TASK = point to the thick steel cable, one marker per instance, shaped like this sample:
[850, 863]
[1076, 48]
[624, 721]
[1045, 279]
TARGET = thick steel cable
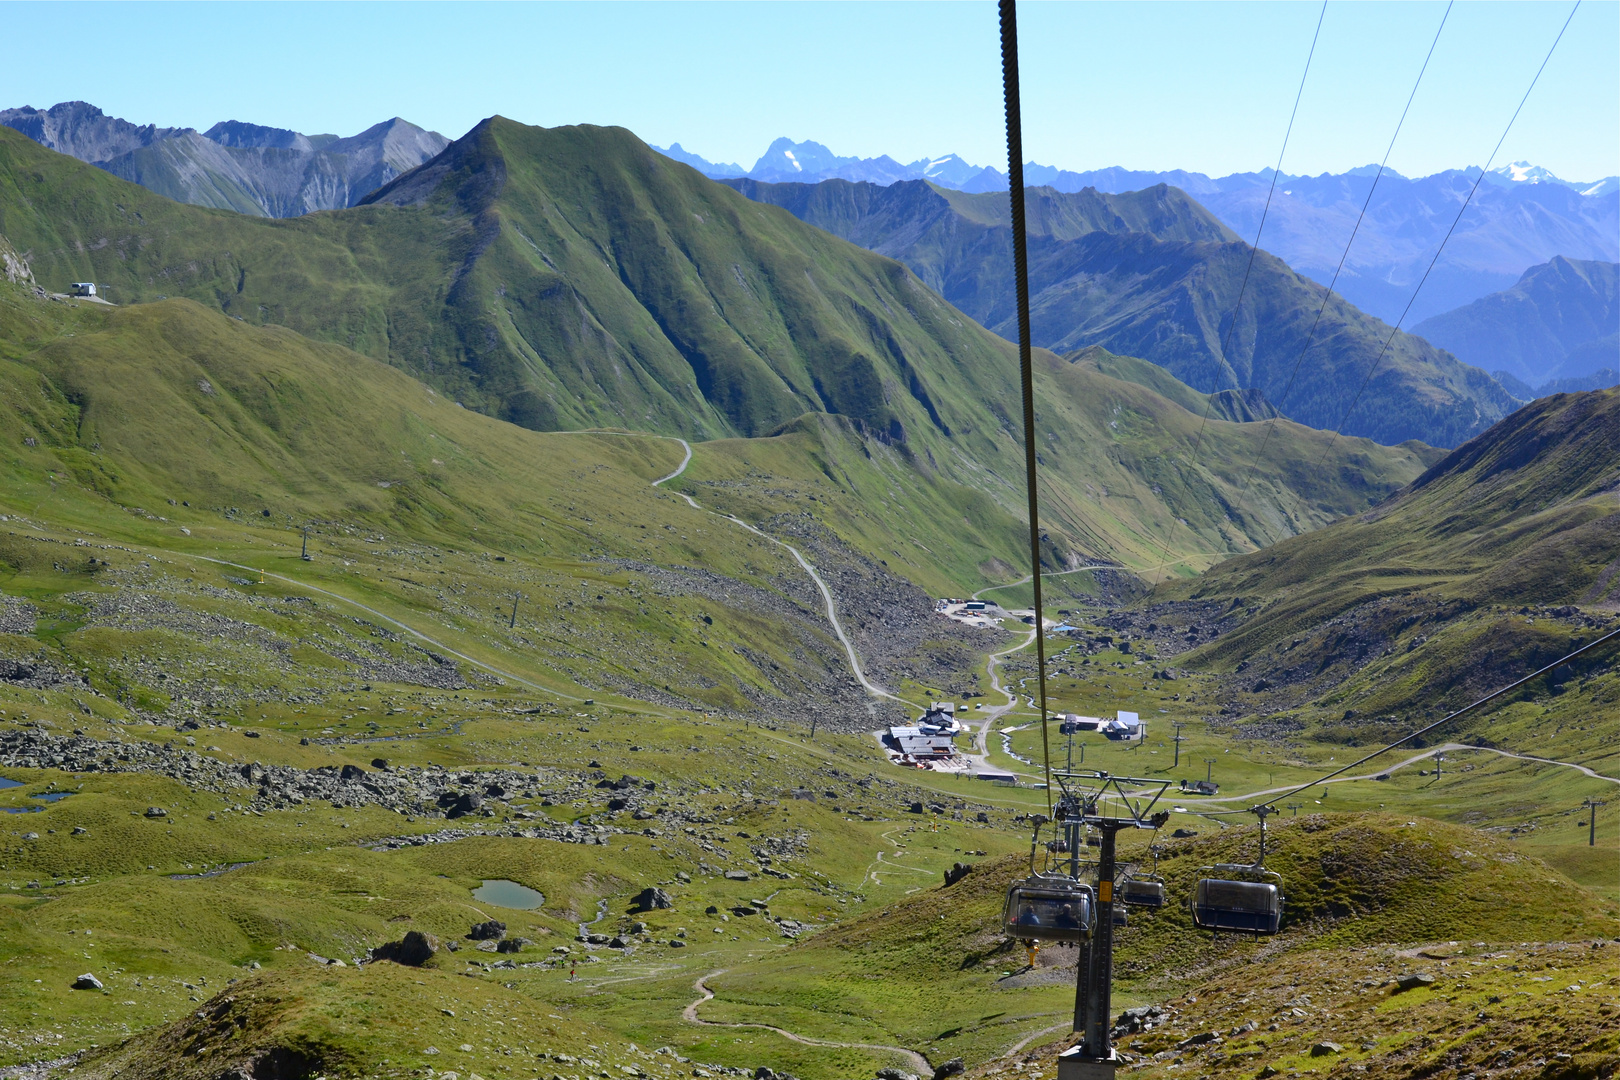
[1446, 239]
[1015, 195]
[1254, 248]
[1470, 707]
[1310, 338]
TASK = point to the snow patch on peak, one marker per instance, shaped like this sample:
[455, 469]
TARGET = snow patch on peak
[1522, 172]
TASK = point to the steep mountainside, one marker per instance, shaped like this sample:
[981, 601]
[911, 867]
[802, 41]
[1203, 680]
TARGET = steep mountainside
[248, 168]
[1153, 274]
[1420, 603]
[571, 278]
[1561, 320]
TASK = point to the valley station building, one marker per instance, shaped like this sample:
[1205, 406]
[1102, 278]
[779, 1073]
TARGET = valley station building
[931, 738]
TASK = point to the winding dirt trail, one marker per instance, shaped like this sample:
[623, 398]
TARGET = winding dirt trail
[853, 657]
[411, 630]
[917, 1062]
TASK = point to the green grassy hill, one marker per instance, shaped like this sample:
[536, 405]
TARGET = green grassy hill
[230, 766]
[935, 971]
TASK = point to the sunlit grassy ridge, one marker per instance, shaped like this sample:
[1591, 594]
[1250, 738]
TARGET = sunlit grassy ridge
[649, 638]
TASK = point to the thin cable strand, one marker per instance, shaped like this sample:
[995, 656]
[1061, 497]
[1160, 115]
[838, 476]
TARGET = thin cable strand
[1310, 338]
[1492, 696]
[1209, 403]
[1477, 181]
[1015, 195]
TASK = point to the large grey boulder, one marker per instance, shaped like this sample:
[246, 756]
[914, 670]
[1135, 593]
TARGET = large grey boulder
[414, 950]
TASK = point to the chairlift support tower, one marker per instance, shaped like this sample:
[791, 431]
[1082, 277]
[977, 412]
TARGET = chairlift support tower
[1591, 822]
[1107, 804]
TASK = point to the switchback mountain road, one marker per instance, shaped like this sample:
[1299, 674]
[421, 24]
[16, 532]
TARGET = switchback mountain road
[980, 755]
[868, 685]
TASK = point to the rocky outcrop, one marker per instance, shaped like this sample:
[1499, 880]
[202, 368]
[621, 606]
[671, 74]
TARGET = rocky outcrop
[413, 950]
[249, 168]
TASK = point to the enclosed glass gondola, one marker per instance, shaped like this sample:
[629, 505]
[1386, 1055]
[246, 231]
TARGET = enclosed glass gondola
[1141, 892]
[1226, 903]
[1049, 909]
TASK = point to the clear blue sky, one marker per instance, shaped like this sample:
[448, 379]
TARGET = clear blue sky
[1200, 86]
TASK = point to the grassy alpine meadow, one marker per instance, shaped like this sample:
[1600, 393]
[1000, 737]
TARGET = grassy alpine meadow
[314, 635]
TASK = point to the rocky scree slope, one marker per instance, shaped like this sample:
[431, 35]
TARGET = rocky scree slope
[248, 168]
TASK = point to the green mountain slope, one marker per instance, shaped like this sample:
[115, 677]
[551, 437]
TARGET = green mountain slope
[571, 277]
[173, 426]
[1153, 274]
[1492, 563]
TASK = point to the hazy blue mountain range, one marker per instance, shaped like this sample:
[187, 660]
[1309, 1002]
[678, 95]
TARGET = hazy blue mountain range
[1523, 215]
[1508, 228]
[1559, 322]
[1601, 379]
[264, 171]
[809, 162]
[1153, 274]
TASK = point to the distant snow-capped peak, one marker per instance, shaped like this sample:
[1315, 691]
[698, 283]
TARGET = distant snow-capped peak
[1522, 172]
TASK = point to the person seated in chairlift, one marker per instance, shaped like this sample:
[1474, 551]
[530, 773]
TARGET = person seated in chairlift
[1067, 918]
[1027, 916]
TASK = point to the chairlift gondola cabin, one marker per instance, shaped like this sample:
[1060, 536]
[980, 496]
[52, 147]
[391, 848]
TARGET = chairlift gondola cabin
[1223, 903]
[1139, 892]
[1049, 909]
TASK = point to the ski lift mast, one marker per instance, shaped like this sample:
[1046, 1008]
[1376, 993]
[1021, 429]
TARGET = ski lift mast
[1107, 804]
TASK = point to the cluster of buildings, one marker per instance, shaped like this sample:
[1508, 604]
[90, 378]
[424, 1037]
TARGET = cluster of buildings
[932, 738]
[1124, 727]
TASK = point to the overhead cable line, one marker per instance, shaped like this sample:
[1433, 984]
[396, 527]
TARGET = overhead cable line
[1209, 403]
[1310, 338]
[1484, 172]
[1492, 696]
[1015, 195]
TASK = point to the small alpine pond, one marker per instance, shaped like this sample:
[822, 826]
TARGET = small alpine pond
[508, 894]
